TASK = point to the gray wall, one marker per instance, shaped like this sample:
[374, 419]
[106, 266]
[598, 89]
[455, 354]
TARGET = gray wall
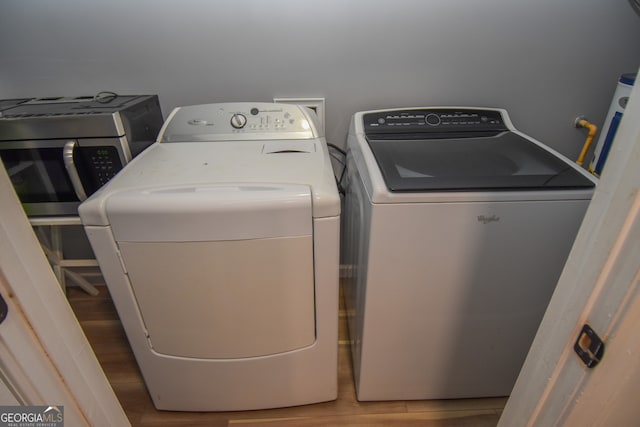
[545, 61]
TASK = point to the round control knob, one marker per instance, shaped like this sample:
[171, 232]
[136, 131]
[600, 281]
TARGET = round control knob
[432, 119]
[238, 121]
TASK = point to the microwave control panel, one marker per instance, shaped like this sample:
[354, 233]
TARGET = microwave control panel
[100, 164]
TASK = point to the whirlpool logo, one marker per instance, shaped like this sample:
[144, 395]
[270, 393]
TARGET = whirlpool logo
[488, 219]
[31, 416]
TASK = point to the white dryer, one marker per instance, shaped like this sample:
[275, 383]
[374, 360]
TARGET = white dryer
[457, 228]
[219, 246]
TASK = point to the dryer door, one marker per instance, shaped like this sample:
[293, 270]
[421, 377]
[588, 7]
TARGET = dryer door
[220, 271]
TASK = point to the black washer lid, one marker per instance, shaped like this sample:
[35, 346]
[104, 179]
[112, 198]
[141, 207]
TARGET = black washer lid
[506, 161]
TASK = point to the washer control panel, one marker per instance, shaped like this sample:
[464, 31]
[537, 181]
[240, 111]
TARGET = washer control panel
[433, 120]
[239, 121]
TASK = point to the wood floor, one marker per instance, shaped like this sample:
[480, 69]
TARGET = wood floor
[102, 327]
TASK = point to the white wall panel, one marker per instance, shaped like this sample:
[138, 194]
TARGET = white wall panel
[545, 61]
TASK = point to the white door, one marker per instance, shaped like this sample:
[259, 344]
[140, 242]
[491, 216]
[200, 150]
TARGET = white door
[600, 286]
[45, 358]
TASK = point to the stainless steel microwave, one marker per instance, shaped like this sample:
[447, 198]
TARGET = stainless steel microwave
[58, 151]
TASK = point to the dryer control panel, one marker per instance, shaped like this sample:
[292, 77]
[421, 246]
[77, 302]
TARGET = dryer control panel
[245, 121]
[426, 121]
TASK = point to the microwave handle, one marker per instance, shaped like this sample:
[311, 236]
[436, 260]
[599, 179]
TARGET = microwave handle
[67, 155]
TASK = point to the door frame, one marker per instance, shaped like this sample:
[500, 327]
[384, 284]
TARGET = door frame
[45, 357]
[600, 286]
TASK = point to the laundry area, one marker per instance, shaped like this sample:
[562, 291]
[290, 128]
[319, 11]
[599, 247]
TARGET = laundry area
[307, 213]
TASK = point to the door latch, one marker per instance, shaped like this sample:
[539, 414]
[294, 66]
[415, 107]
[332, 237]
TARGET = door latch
[589, 346]
[4, 309]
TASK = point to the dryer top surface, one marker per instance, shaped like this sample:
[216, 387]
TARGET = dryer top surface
[241, 163]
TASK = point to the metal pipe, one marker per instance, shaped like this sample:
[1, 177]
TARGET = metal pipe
[593, 130]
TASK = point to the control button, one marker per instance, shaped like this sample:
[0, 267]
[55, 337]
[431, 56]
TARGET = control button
[238, 121]
[381, 121]
[254, 111]
[432, 119]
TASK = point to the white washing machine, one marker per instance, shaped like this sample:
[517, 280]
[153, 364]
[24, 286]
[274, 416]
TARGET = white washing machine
[457, 228]
[219, 245]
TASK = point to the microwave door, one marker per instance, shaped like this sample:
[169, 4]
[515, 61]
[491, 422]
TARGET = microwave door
[40, 166]
[39, 177]
[37, 164]
[72, 170]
